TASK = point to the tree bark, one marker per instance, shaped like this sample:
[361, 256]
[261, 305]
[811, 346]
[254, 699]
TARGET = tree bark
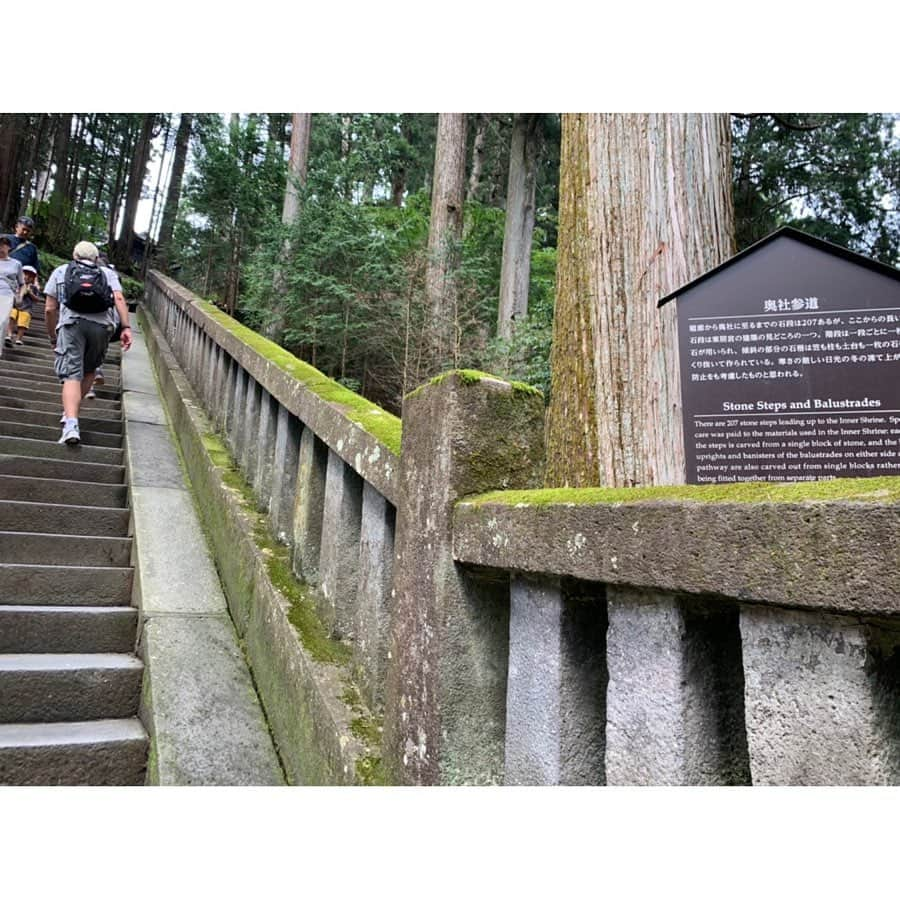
[296, 179]
[11, 131]
[645, 206]
[173, 194]
[445, 230]
[477, 157]
[515, 268]
[136, 177]
[116, 198]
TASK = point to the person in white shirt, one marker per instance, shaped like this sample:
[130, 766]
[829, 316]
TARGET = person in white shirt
[81, 338]
[11, 280]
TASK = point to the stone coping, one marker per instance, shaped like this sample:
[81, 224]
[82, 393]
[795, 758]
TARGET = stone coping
[840, 555]
[366, 437]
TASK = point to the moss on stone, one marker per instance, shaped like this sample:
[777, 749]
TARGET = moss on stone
[381, 424]
[880, 490]
[370, 771]
[473, 376]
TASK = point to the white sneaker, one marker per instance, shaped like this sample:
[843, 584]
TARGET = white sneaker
[98, 376]
[19, 343]
[70, 434]
[90, 395]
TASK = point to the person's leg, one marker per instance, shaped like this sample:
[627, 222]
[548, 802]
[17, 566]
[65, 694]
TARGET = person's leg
[10, 328]
[87, 386]
[71, 398]
[23, 320]
[70, 350]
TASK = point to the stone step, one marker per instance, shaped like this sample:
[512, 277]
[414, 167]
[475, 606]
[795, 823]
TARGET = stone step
[55, 406]
[68, 687]
[52, 432]
[100, 752]
[44, 367]
[85, 453]
[27, 548]
[66, 468]
[51, 419]
[58, 585]
[51, 383]
[53, 394]
[67, 629]
[59, 518]
[73, 493]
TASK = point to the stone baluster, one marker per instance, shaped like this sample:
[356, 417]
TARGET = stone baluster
[822, 697]
[236, 431]
[284, 475]
[339, 555]
[555, 698]
[309, 499]
[249, 448]
[674, 702]
[376, 558]
[265, 442]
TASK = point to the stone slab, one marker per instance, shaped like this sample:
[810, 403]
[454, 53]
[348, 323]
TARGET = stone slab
[200, 708]
[145, 408]
[150, 456]
[177, 573]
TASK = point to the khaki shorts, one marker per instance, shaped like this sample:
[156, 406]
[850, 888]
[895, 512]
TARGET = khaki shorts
[80, 348]
[21, 317]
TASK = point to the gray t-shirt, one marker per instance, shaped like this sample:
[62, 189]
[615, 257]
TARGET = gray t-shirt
[55, 286]
[11, 278]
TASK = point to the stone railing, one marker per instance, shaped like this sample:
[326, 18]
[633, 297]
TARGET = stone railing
[498, 633]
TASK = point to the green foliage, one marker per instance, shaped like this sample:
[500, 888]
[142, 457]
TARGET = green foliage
[834, 176]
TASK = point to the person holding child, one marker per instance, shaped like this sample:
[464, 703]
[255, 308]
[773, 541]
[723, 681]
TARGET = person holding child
[20, 317]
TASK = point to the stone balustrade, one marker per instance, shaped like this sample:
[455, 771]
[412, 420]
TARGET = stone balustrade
[503, 634]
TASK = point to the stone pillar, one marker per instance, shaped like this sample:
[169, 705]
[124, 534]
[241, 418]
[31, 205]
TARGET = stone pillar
[236, 429]
[309, 503]
[249, 447]
[265, 442]
[339, 556]
[376, 557]
[674, 704]
[216, 381]
[284, 475]
[822, 698]
[555, 698]
[445, 703]
[230, 381]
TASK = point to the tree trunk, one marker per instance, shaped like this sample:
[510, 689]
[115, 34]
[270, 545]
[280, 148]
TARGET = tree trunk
[173, 195]
[445, 230]
[515, 268]
[296, 179]
[32, 162]
[477, 157]
[101, 172]
[11, 131]
[116, 198]
[136, 177]
[645, 206]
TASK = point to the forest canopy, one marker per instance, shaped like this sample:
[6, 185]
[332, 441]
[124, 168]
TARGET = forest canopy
[354, 279]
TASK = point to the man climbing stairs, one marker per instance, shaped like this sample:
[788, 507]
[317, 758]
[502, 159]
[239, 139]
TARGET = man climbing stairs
[70, 681]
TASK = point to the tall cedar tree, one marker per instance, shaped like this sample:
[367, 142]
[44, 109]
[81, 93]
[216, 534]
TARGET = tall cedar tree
[645, 206]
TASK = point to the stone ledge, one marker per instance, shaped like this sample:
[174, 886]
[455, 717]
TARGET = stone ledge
[306, 700]
[198, 704]
[369, 456]
[839, 555]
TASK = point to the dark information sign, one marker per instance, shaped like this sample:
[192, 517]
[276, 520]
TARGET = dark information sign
[790, 367]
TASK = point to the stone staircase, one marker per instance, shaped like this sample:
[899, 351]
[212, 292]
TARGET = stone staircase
[70, 681]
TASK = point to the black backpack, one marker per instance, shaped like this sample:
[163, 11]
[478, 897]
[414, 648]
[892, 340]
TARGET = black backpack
[86, 288]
